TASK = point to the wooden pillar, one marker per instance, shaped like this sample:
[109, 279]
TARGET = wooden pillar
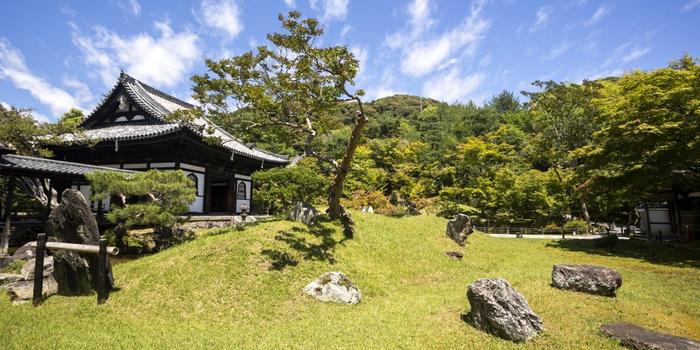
[39, 269]
[102, 270]
[9, 199]
[207, 193]
[49, 197]
[677, 216]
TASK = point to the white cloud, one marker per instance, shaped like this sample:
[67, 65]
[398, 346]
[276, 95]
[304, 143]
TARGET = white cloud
[691, 5]
[597, 16]
[557, 51]
[541, 18]
[423, 57]
[222, 15]
[419, 14]
[345, 31]
[625, 53]
[131, 6]
[14, 68]
[290, 3]
[450, 87]
[635, 53]
[162, 60]
[332, 9]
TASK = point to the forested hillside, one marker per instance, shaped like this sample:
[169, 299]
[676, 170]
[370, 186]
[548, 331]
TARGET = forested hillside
[535, 158]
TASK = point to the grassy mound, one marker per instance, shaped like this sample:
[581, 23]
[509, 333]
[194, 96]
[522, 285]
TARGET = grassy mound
[242, 289]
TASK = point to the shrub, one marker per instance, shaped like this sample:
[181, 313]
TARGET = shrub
[279, 189]
[580, 225]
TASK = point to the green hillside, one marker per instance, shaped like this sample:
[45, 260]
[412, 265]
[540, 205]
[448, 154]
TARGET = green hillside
[242, 289]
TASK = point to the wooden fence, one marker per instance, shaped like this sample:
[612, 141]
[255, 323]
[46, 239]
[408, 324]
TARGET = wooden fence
[102, 250]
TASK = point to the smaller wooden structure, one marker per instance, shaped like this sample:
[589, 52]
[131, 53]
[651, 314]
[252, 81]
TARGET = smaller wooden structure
[102, 250]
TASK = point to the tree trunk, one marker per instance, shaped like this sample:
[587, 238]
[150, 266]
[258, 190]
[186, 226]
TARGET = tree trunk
[584, 214]
[335, 210]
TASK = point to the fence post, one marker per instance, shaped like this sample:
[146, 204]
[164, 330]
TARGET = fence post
[563, 233]
[39, 269]
[102, 266]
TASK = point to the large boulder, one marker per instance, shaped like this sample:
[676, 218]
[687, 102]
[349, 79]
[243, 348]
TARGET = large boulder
[636, 337]
[72, 222]
[22, 291]
[334, 287]
[498, 308]
[586, 278]
[24, 252]
[459, 228]
[304, 212]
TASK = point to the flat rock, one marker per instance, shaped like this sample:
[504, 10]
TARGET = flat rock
[6, 278]
[455, 255]
[22, 291]
[28, 268]
[636, 337]
[334, 287]
[498, 308]
[591, 279]
[24, 252]
[459, 228]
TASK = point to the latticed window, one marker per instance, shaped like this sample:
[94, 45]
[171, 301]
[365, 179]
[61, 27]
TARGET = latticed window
[241, 191]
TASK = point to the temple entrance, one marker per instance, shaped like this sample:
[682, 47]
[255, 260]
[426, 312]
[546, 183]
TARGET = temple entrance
[219, 194]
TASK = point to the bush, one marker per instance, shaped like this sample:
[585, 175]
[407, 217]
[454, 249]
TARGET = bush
[279, 189]
[609, 241]
[580, 225]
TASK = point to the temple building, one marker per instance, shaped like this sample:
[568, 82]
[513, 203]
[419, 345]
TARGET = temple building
[130, 130]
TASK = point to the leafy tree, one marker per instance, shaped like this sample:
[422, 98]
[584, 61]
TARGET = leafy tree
[564, 115]
[152, 198]
[279, 189]
[505, 101]
[295, 85]
[650, 135]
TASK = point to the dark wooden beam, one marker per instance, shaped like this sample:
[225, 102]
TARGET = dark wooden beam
[9, 199]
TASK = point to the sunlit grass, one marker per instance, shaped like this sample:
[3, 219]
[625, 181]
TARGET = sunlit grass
[242, 289]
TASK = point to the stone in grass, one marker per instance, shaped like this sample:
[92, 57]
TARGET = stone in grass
[334, 287]
[636, 337]
[498, 308]
[22, 291]
[6, 278]
[29, 266]
[459, 228]
[586, 278]
[455, 255]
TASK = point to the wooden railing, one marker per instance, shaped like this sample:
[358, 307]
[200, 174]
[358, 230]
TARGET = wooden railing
[102, 251]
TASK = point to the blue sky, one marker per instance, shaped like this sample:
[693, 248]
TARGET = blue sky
[63, 54]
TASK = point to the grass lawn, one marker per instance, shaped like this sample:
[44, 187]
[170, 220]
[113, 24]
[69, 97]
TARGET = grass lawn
[242, 289]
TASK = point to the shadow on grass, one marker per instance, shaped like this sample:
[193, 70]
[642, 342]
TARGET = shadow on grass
[679, 254]
[298, 244]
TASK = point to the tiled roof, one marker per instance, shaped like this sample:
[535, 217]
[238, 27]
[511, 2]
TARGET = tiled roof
[159, 105]
[50, 166]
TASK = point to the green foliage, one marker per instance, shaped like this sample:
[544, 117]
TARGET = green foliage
[580, 225]
[650, 135]
[279, 189]
[19, 130]
[151, 198]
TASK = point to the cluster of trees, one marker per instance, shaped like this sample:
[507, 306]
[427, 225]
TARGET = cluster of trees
[590, 150]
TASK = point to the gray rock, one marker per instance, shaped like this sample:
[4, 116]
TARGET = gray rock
[455, 255]
[29, 266]
[586, 278]
[22, 291]
[636, 337]
[498, 308]
[24, 252]
[72, 222]
[6, 278]
[459, 228]
[304, 212]
[334, 287]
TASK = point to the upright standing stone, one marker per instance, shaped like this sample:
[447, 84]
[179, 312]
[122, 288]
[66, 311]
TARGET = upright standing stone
[459, 228]
[305, 213]
[72, 222]
[498, 308]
